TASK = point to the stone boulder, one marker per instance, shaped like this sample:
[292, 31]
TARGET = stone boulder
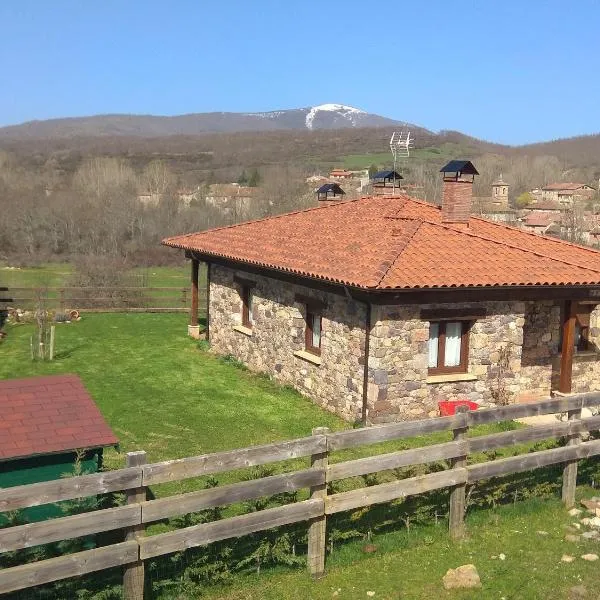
[465, 576]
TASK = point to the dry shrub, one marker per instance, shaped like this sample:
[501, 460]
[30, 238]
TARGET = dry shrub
[103, 283]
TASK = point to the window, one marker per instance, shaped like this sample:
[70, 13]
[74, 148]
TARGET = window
[247, 319]
[448, 346]
[312, 334]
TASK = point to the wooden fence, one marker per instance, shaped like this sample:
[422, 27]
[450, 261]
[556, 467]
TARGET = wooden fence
[105, 299]
[137, 476]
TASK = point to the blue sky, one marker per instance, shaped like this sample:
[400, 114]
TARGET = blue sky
[507, 71]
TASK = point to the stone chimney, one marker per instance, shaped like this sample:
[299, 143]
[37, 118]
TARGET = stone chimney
[457, 192]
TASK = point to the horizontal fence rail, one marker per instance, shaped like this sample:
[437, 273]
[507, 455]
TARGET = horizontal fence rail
[135, 479]
[104, 298]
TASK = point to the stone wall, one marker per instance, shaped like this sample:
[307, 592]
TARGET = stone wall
[399, 385]
[277, 337]
[540, 372]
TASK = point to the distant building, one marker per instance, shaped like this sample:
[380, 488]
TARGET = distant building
[495, 207]
[230, 197]
[341, 174]
[567, 192]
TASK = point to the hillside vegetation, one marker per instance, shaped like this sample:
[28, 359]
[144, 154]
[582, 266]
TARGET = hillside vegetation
[64, 198]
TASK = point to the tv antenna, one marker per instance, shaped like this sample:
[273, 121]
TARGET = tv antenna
[400, 145]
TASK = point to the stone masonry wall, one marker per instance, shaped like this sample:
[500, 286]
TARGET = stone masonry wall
[278, 332]
[540, 372]
[399, 386]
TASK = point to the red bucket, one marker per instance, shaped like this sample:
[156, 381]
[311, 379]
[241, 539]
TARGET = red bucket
[448, 407]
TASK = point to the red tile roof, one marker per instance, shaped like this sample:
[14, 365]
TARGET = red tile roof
[45, 415]
[384, 243]
[540, 219]
[564, 186]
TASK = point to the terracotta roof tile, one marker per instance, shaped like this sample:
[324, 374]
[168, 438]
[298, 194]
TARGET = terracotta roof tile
[397, 243]
[45, 415]
[565, 185]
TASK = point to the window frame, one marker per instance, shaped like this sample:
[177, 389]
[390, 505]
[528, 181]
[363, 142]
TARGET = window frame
[463, 366]
[246, 294]
[309, 346]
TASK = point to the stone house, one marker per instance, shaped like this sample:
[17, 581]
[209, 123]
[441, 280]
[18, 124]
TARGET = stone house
[566, 192]
[378, 308]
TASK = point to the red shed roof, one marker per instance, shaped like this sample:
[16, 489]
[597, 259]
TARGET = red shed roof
[45, 415]
[397, 242]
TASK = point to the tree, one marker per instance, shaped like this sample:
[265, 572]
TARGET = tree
[372, 170]
[243, 178]
[523, 200]
[254, 179]
[157, 179]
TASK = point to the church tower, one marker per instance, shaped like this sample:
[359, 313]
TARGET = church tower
[500, 193]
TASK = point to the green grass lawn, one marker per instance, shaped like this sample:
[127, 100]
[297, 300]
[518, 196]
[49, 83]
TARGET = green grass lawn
[163, 393]
[58, 274]
[410, 566]
[160, 393]
[442, 153]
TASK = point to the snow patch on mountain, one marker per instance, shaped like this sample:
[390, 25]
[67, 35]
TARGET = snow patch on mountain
[346, 112]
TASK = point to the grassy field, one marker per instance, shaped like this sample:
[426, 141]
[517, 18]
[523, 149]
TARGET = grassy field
[160, 393]
[58, 274]
[410, 565]
[164, 393]
[440, 154]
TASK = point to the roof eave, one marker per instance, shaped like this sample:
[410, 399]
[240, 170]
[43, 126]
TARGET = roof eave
[62, 451]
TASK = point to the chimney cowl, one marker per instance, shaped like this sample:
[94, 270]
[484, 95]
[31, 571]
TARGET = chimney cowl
[457, 193]
[330, 192]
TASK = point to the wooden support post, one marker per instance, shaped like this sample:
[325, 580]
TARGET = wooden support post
[194, 307]
[61, 299]
[317, 527]
[570, 471]
[133, 575]
[458, 493]
[568, 347]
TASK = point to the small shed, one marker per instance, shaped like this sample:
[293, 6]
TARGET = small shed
[45, 422]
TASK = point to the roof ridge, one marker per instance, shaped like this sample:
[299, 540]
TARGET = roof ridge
[508, 245]
[269, 218]
[398, 249]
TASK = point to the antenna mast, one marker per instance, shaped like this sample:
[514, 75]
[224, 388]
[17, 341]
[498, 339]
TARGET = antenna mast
[400, 144]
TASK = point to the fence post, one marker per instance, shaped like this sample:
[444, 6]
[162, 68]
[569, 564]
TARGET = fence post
[317, 527]
[458, 492]
[133, 575]
[570, 470]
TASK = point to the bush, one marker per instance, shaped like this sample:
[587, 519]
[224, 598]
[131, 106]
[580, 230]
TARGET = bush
[106, 277]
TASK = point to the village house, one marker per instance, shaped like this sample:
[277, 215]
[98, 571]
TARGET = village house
[341, 174]
[231, 197]
[378, 308]
[566, 192]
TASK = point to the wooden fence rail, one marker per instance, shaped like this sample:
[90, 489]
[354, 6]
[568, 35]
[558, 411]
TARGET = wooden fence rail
[320, 447]
[105, 298]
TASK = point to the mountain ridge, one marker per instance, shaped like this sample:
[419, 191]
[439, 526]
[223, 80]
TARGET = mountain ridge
[323, 116]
